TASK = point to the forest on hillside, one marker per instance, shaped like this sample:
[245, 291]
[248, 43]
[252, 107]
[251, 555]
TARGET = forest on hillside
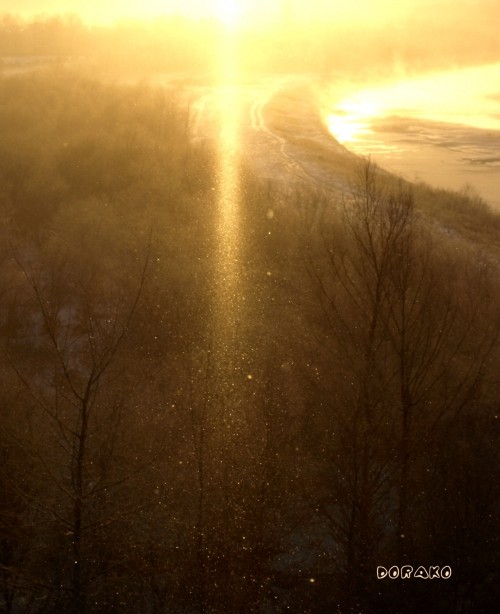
[179, 44]
[363, 377]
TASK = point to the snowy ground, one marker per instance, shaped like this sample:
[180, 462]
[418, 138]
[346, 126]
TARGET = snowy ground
[284, 139]
[280, 134]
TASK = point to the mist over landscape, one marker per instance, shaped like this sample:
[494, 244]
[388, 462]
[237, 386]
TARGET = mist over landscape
[249, 306]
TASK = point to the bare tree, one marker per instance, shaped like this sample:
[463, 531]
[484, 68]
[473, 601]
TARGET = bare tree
[407, 349]
[75, 383]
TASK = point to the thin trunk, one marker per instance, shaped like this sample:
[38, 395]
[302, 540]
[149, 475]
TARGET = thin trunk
[79, 606]
[200, 537]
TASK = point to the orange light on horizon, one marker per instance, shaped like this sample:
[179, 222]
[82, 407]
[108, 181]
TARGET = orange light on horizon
[440, 97]
[352, 118]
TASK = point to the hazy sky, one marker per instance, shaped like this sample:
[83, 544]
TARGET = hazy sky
[254, 10]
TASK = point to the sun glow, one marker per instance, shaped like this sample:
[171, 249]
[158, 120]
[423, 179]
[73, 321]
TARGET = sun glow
[345, 129]
[229, 12]
[351, 118]
[440, 97]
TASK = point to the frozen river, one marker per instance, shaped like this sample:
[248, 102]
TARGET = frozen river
[442, 128]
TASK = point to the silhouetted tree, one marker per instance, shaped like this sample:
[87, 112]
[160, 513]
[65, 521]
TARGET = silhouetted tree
[407, 350]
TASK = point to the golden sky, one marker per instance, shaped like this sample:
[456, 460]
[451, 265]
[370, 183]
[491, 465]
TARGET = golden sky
[243, 11]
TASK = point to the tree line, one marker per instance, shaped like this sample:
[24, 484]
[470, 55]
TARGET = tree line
[179, 44]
